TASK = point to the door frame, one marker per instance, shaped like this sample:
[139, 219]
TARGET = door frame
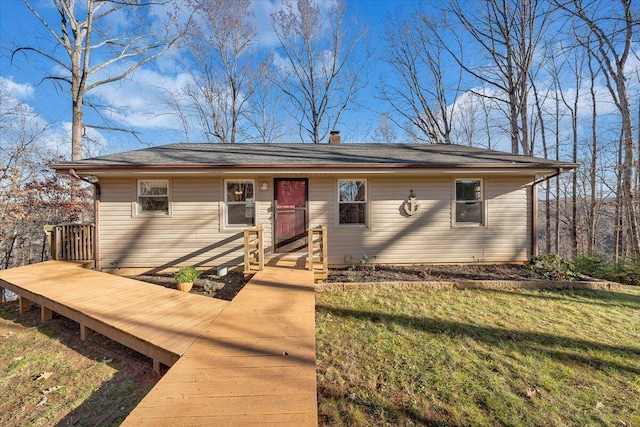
[276, 248]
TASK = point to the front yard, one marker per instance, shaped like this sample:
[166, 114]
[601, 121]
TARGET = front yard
[390, 357]
[384, 357]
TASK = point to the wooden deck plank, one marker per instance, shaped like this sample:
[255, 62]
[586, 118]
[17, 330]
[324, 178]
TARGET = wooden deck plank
[227, 406]
[255, 364]
[240, 420]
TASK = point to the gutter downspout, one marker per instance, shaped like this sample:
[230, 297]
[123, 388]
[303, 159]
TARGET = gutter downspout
[96, 213]
[534, 209]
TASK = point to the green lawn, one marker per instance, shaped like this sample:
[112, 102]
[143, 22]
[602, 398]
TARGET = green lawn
[391, 357]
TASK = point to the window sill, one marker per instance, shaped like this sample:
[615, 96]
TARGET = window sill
[158, 214]
[467, 225]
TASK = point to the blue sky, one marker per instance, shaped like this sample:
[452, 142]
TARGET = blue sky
[142, 107]
[23, 77]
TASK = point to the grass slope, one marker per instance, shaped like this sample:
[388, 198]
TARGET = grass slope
[49, 377]
[455, 358]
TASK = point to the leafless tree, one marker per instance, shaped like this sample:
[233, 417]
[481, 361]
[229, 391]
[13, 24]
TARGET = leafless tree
[385, 132]
[423, 85]
[30, 194]
[264, 113]
[102, 41]
[320, 73]
[224, 67]
[577, 66]
[508, 32]
[609, 31]
[594, 199]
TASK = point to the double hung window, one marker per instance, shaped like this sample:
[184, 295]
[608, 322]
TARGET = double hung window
[240, 201]
[469, 205]
[352, 195]
[153, 196]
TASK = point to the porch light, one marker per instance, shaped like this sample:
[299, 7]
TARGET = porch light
[264, 186]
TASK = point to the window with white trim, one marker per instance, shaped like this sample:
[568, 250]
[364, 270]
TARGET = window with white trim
[469, 205]
[240, 202]
[153, 196]
[352, 202]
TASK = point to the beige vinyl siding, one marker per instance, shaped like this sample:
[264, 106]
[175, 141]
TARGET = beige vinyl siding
[193, 233]
[429, 236]
[322, 202]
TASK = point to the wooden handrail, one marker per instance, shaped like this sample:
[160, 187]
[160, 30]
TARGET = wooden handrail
[71, 242]
[253, 250]
[317, 245]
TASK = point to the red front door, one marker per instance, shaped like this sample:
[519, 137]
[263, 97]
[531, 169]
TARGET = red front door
[291, 214]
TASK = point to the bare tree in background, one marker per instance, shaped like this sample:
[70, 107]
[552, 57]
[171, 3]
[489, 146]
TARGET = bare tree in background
[225, 76]
[320, 74]
[266, 106]
[508, 32]
[609, 31]
[575, 62]
[98, 37]
[31, 195]
[385, 132]
[422, 88]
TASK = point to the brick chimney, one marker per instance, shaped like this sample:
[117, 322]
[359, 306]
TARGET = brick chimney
[334, 137]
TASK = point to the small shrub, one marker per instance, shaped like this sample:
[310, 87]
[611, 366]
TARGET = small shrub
[211, 286]
[186, 274]
[351, 273]
[554, 267]
[367, 265]
[624, 271]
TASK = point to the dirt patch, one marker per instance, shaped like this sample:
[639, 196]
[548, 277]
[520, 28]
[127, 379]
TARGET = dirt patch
[423, 272]
[57, 379]
[221, 287]
[227, 287]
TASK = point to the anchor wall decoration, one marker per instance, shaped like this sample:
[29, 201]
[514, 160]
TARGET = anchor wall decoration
[411, 205]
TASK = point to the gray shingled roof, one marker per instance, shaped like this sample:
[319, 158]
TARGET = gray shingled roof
[186, 155]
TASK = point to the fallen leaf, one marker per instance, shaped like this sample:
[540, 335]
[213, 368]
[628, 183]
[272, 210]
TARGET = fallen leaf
[43, 376]
[599, 405]
[51, 389]
[533, 393]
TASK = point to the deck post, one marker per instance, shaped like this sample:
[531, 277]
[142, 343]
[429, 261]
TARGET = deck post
[45, 314]
[25, 304]
[253, 250]
[318, 249]
[85, 332]
[156, 366]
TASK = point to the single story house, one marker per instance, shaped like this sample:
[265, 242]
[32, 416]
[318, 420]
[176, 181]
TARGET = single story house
[188, 204]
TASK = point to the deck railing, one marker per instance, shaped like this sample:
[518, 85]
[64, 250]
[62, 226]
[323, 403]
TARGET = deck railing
[253, 250]
[71, 242]
[317, 244]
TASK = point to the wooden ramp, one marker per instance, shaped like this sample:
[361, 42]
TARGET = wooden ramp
[254, 365]
[158, 322]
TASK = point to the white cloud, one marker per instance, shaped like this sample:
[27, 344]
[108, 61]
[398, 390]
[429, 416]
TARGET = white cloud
[141, 100]
[262, 11]
[17, 90]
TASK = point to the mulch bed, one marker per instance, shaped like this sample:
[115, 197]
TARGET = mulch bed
[226, 287]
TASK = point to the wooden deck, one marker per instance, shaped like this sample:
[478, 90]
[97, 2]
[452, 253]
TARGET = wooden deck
[158, 322]
[247, 362]
[254, 365]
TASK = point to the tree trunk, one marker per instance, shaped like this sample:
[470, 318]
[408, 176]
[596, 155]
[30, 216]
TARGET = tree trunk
[593, 200]
[77, 130]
